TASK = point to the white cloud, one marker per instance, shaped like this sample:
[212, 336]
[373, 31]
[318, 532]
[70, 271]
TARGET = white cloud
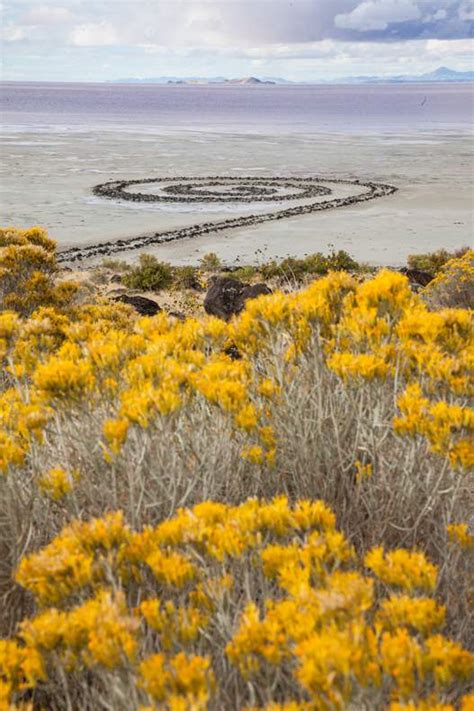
[13, 33]
[332, 57]
[294, 38]
[377, 15]
[449, 50]
[94, 35]
[47, 15]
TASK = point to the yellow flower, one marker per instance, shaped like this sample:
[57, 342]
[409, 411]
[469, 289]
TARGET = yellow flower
[467, 703]
[363, 471]
[56, 483]
[115, 432]
[254, 454]
[421, 614]
[430, 704]
[402, 568]
[447, 660]
[172, 568]
[268, 388]
[459, 533]
[186, 677]
[365, 365]
[11, 454]
[246, 418]
[64, 379]
[401, 659]
[154, 677]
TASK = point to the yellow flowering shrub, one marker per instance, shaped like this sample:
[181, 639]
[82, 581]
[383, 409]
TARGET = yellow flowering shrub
[454, 283]
[144, 369]
[269, 590]
[27, 269]
[173, 571]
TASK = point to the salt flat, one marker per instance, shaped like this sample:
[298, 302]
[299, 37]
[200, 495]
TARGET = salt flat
[47, 178]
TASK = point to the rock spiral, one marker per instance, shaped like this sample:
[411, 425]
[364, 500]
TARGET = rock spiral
[222, 189]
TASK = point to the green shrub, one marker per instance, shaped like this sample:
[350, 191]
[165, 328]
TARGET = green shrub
[210, 262]
[116, 265]
[432, 262]
[186, 278]
[149, 275]
[245, 273]
[341, 261]
[270, 270]
[317, 263]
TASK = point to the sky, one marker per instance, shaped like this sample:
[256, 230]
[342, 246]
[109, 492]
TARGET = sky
[300, 40]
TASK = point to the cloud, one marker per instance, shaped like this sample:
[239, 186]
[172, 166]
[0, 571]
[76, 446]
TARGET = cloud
[217, 23]
[466, 11]
[47, 15]
[377, 15]
[13, 33]
[94, 35]
[294, 38]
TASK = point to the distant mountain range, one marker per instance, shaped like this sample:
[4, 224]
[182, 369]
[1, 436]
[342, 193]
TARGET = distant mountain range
[442, 74]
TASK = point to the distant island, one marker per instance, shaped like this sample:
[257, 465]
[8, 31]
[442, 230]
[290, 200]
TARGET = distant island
[442, 74]
[201, 80]
[246, 80]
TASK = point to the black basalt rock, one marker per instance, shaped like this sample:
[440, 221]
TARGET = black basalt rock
[144, 306]
[417, 276]
[226, 297]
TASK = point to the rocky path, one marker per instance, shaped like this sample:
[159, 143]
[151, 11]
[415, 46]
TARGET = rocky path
[223, 189]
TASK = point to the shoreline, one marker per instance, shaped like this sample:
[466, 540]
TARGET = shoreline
[312, 187]
[432, 208]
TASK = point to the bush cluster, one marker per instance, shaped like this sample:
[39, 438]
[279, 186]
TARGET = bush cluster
[432, 262]
[288, 530]
[296, 270]
[28, 268]
[150, 274]
[454, 284]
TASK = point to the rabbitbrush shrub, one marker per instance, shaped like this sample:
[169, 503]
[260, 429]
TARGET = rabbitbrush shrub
[287, 530]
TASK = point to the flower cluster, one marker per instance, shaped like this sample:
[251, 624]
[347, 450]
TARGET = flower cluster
[27, 267]
[142, 370]
[111, 423]
[283, 593]
[454, 283]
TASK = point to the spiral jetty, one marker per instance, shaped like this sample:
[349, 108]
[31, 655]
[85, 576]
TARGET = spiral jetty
[212, 189]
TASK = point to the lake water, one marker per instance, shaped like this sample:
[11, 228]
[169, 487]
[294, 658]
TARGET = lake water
[59, 140]
[250, 108]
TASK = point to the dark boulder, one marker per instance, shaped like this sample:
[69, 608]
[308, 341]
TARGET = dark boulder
[252, 291]
[416, 276]
[226, 297]
[144, 306]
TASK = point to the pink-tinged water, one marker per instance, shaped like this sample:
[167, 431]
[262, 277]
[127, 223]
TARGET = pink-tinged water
[377, 108]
